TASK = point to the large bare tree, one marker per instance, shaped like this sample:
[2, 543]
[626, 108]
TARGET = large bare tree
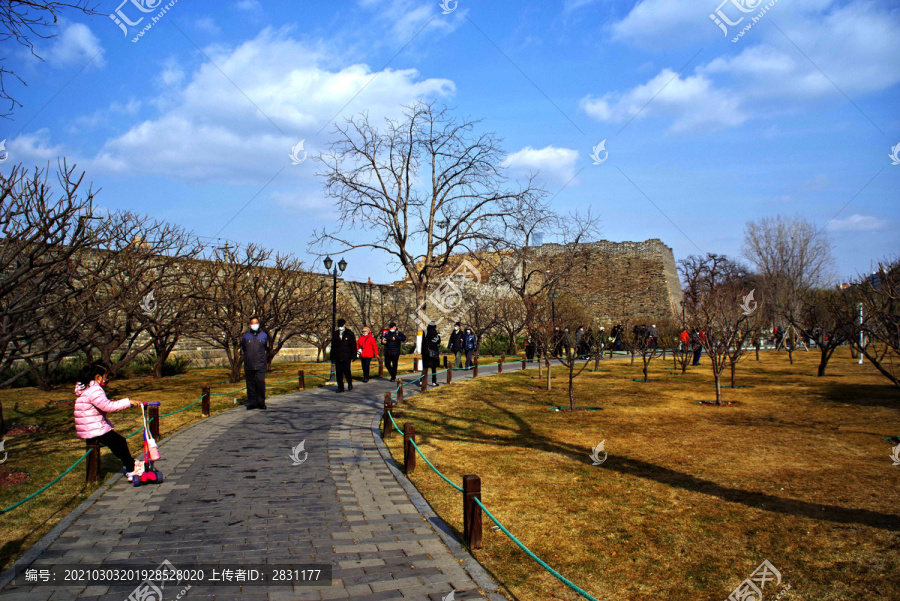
[421, 188]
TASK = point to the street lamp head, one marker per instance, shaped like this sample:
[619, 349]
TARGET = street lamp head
[342, 265]
[328, 263]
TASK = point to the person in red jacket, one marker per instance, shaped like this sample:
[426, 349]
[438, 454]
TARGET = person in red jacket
[366, 349]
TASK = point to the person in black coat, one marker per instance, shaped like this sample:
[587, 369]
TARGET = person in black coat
[392, 341]
[456, 345]
[254, 345]
[343, 352]
[431, 355]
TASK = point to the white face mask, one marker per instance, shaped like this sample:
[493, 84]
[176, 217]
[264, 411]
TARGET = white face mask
[341, 328]
[254, 326]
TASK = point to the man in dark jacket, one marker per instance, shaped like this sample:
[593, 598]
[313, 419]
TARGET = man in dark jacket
[456, 345]
[392, 340]
[343, 352]
[254, 345]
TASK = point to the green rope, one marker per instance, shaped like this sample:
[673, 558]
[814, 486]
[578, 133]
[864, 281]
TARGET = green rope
[285, 382]
[422, 455]
[57, 479]
[182, 409]
[227, 393]
[533, 556]
[396, 427]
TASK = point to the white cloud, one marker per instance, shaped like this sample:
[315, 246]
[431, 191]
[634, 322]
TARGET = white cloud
[74, 46]
[207, 25]
[248, 5]
[693, 101]
[555, 163]
[406, 19]
[857, 223]
[208, 130]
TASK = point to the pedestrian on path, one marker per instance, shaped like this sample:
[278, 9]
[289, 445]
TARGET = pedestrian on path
[457, 345]
[91, 423]
[471, 345]
[529, 347]
[343, 352]
[392, 342]
[431, 357]
[254, 345]
[367, 349]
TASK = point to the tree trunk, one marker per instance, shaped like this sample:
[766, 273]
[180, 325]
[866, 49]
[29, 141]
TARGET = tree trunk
[718, 387]
[733, 365]
[548, 374]
[757, 349]
[2, 422]
[823, 361]
[646, 365]
[571, 383]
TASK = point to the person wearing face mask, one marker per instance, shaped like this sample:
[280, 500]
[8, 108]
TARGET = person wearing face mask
[254, 345]
[471, 346]
[367, 349]
[456, 345]
[431, 357]
[392, 342]
[343, 352]
[91, 407]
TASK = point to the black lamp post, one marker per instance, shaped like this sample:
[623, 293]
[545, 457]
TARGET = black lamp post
[342, 266]
[553, 294]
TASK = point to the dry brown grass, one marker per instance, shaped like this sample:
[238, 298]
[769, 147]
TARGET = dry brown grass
[48, 453]
[692, 498]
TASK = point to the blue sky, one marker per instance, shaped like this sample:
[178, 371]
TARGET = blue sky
[192, 122]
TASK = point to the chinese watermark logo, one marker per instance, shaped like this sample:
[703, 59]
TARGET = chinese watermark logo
[748, 304]
[295, 453]
[4, 154]
[745, 6]
[448, 7]
[752, 588]
[152, 588]
[295, 153]
[142, 6]
[895, 150]
[447, 298]
[601, 147]
[595, 454]
[3, 442]
[148, 304]
[895, 456]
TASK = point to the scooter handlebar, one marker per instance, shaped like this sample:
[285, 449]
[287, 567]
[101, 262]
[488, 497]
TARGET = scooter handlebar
[156, 404]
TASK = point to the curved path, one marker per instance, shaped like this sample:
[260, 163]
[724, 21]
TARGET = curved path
[233, 496]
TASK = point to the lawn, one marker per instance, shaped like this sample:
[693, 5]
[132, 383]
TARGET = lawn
[692, 498]
[47, 453]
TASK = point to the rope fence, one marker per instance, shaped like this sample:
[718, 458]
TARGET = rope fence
[471, 490]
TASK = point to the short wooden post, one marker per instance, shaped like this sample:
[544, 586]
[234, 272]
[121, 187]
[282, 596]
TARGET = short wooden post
[204, 404]
[471, 511]
[449, 376]
[301, 380]
[446, 364]
[380, 367]
[415, 364]
[424, 381]
[409, 452]
[524, 363]
[387, 428]
[93, 461]
[153, 416]
[399, 391]
[475, 367]
[500, 364]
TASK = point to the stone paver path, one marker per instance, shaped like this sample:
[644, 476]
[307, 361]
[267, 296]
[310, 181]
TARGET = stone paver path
[233, 496]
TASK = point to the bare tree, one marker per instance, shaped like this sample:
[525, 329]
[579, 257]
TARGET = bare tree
[397, 184]
[714, 288]
[870, 319]
[24, 22]
[819, 318]
[791, 256]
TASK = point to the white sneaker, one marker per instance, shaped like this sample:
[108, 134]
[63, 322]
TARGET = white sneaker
[138, 470]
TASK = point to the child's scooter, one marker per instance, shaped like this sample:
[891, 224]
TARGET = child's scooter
[151, 454]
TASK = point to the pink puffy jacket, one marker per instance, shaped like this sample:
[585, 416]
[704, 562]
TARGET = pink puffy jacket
[91, 407]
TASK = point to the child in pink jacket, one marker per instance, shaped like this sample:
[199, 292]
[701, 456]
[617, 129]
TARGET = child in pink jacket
[91, 407]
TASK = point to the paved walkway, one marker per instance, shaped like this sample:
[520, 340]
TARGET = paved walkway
[232, 496]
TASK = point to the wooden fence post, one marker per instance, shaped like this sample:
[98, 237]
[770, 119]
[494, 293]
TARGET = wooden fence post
[388, 427]
[399, 391]
[471, 511]
[415, 364]
[445, 362]
[153, 416]
[475, 367]
[301, 380]
[424, 381]
[204, 404]
[380, 367]
[449, 376]
[93, 461]
[500, 364]
[409, 452]
[524, 363]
